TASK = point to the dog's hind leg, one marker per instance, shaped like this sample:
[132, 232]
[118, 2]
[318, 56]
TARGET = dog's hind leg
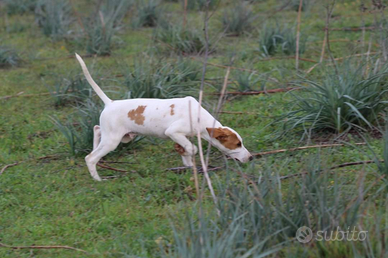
[96, 136]
[106, 145]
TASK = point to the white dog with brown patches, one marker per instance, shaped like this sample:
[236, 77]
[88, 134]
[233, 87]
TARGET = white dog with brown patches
[164, 118]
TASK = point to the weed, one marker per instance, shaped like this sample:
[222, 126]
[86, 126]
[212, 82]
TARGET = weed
[200, 4]
[101, 26]
[149, 14]
[182, 41]
[248, 81]
[238, 19]
[350, 98]
[8, 57]
[273, 39]
[160, 79]
[19, 6]
[71, 90]
[54, 18]
[270, 38]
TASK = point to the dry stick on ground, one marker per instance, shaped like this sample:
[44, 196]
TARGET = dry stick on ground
[8, 166]
[348, 164]
[298, 36]
[260, 92]
[303, 148]
[43, 247]
[114, 169]
[352, 29]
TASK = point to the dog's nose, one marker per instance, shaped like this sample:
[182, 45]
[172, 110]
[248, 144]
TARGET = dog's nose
[250, 158]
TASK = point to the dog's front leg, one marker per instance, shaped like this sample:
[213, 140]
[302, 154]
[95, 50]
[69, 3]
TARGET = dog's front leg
[183, 146]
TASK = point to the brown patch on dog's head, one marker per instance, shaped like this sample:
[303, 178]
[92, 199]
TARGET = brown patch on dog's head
[172, 109]
[179, 149]
[226, 137]
[137, 115]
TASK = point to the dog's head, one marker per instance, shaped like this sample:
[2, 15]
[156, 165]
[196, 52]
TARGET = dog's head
[229, 142]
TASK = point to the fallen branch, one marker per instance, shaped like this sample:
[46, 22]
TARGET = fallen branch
[303, 148]
[44, 247]
[8, 166]
[259, 92]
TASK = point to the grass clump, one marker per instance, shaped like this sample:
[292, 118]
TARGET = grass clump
[161, 79]
[149, 14]
[351, 97]
[274, 39]
[19, 6]
[102, 26]
[175, 38]
[200, 5]
[71, 90]
[238, 19]
[260, 216]
[249, 81]
[8, 57]
[54, 18]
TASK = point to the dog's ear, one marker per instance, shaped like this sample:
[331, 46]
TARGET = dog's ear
[217, 133]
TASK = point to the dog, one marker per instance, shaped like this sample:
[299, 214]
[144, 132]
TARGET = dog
[177, 119]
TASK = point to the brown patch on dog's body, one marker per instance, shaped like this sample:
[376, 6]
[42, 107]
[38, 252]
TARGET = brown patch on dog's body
[226, 137]
[172, 109]
[179, 149]
[137, 115]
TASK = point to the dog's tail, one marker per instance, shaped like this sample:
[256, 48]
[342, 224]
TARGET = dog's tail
[92, 83]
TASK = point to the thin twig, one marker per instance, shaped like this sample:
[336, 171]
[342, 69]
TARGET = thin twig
[114, 169]
[303, 148]
[298, 35]
[44, 247]
[206, 20]
[8, 166]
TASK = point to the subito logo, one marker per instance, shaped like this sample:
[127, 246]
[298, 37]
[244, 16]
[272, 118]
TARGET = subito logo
[304, 234]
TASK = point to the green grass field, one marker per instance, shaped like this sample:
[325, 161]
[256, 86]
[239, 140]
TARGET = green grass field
[48, 197]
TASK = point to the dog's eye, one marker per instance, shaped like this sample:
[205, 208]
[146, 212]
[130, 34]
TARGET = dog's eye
[239, 144]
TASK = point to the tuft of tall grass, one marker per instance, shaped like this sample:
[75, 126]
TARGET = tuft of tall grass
[8, 57]
[260, 216]
[149, 14]
[175, 38]
[270, 39]
[200, 5]
[101, 27]
[250, 81]
[274, 39]
[19, 6]
[54, 17]
[150, 79]
[238, 19]
[70, 90]
[348, 97]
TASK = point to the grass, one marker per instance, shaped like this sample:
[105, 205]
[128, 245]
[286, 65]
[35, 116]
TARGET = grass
[9, 57]
[351, 97]
[49, 198]
[238, 19]
[54, 18]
